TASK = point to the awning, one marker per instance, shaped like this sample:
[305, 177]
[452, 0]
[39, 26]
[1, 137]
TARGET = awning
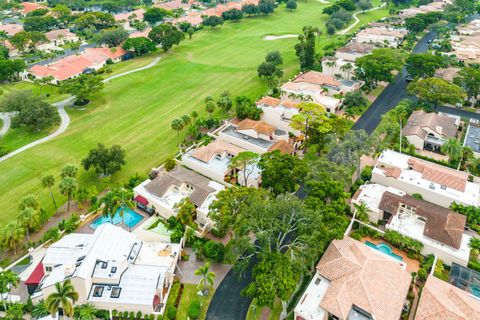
[141, 200]
[36, 276]
[156, 300]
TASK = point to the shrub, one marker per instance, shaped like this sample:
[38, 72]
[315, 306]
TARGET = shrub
[219, 233]
[213, 250]
[366, 173]
[417, 196]
[139, 315]
[51, 234]
[114, 312]
[170, 164]
[151, 317]
[422, 274]
[125, 314]
[194, 309]
[171, 312]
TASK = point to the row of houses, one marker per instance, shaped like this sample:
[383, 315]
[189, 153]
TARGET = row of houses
[412, 197]
[466, 43]
[72, 66]
[354, 281]
[435, 6]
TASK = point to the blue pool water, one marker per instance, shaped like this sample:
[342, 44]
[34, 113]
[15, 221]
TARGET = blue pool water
[130, 218]
[385, 248]
[475, 290]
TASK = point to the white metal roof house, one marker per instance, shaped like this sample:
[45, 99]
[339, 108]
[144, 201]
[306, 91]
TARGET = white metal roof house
[111, 269]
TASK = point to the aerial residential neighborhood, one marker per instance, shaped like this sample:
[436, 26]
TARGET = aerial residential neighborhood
[240, 159]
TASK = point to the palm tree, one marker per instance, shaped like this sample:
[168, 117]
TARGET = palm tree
[348, 114]
[40, 310]
[67, 186]
[8, 279]
[122, 202]
[177, 125]
[347, 68]
[186, 119]
[28, 219]
[64, 298]
[207, 278]
[361, 211]
[108, 205]
[194, 116]
[210, 107]
[13, 233]
[14, 312]
[453, 148]
[48, 181]
[474, 244]
[86, 312]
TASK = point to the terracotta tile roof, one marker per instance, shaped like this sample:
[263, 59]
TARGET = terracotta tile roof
[441, 224]
[317, 78]
[170, 5]
[444, 176]
[362, 277]
[383, 31]
[357, 47]
[112, 53]
[289, 104]
[393, 172]
[178, 176]
[62, 69]
[30, 6]
[59, 33]
[282, 146]
[258, 125]
[443, 125]
[269, 101]
[138, 34]
[11, 29]
[124, 16]
[442, 301]
[194, 18]
[73, 65]
[206, 153]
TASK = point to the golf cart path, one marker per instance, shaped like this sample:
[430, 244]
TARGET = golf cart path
[358, 20]
[6, 123]
[65, 119]
[285, 36]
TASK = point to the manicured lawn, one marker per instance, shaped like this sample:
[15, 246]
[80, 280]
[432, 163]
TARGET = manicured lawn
[255, 313]
[136, 111]
[189, 294]
[15, 138]
[49, 91]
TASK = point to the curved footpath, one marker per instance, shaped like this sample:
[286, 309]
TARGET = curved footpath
[65, 119]
[6, 123]
[358, 20]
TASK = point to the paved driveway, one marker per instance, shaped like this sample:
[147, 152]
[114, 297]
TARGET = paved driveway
[392, 95]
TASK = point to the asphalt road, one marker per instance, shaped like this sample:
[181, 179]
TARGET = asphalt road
[227, 301]
[392, 95]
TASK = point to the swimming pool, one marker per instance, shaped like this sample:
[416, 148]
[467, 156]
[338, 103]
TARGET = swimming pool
[130, 218]
[384, 248]
[475, 290]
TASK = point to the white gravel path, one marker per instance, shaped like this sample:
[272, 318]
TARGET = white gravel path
[65, 119]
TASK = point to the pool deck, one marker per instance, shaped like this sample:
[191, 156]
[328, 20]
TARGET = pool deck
[412, 264]
[85, 228]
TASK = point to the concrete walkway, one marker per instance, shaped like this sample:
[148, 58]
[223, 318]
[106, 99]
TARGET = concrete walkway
[65, 119]
[187, 269]
[358, 20]
[6, 123]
